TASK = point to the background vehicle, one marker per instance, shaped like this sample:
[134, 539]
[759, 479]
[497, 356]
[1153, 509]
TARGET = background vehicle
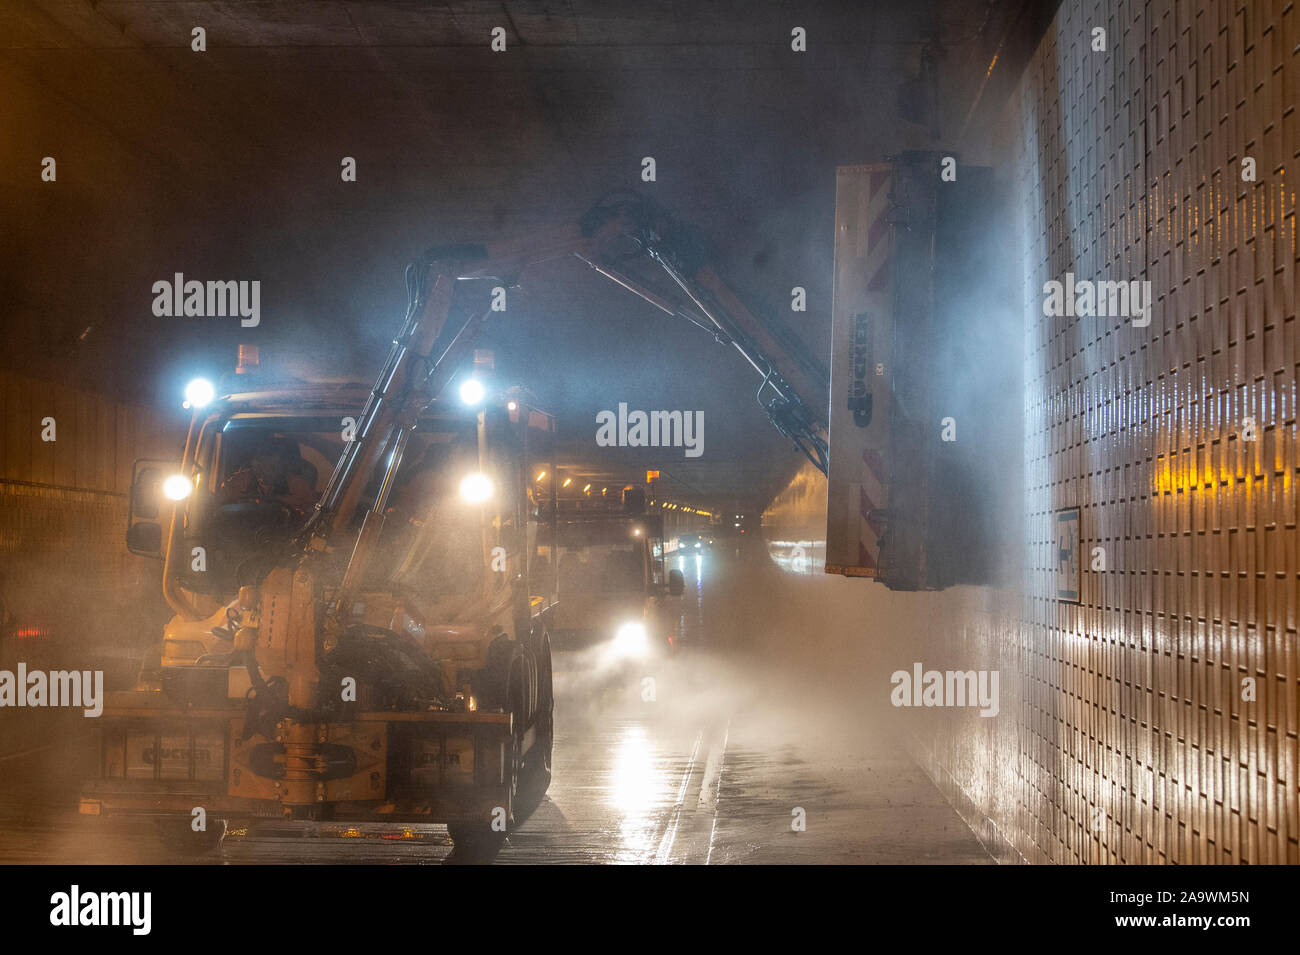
[612, 585]
[692, 544]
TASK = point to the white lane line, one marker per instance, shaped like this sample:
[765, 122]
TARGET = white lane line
[711, 788]
[670, 832]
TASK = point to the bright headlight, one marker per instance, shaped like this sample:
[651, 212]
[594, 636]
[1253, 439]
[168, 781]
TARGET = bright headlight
[476, 488]
[177, 487]
[199, 392]
[630, 640]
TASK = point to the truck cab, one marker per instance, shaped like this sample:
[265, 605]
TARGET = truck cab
[434, 701]
[613, 587]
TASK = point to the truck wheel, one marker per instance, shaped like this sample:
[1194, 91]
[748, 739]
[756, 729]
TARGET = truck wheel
[177, 836]
[474, 842]
[478, 842]
[517, 695]
[538, 763]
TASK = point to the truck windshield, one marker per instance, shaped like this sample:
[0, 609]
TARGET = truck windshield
[261, 478]
[265, 474]
[602, 569]
[432, 540]
[262, 459]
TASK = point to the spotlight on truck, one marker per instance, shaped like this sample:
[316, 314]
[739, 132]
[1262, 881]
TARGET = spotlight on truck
[177, 487]
[472, 391]
[476, 488]
[199, 392]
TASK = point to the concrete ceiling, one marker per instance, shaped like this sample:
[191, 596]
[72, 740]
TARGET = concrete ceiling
[225, 164]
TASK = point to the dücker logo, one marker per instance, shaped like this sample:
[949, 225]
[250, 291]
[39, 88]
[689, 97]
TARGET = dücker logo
[859, 397]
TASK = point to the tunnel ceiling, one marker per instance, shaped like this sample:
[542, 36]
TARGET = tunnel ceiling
[225, 164]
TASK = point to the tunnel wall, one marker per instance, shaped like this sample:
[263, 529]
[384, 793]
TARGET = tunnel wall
[1124, 735]
[64, 568]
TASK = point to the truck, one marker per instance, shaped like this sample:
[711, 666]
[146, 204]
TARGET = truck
[613, 588]
[362, 612]
[371, 640]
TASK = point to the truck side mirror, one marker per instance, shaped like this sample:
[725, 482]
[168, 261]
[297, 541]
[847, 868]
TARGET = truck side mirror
[146, 492]
[143, 532]
[676, 583]
[144, 538]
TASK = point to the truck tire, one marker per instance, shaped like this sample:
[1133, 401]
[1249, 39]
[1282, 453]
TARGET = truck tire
[537, 764]
[478, 842]
[177, 836]
[517, 694]
[474, 842]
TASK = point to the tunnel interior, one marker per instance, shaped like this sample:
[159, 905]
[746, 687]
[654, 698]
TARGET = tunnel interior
[1091, 402]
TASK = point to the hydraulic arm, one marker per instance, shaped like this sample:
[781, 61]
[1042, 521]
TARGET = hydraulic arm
[626, 230]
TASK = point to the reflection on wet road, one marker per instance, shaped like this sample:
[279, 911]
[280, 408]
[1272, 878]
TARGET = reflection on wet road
[705, 757]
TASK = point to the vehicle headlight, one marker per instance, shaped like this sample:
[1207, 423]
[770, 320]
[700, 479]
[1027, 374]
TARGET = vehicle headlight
[472, 391]
[630, 640]
[177, 487]
[476, 488]
[199, 392]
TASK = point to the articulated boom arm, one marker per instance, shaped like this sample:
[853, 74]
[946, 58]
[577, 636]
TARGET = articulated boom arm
[425, 355]
[626, 227]
[438, 333]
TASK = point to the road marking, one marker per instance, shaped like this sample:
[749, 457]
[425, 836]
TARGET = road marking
[670, 832]
[711, 788]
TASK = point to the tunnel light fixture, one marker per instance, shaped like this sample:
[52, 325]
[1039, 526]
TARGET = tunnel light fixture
[177, 487]
[587, 489]
[199, 392]
[476, 488]
[472, 391]
[540, 475]
[567, 482]
[512, 405]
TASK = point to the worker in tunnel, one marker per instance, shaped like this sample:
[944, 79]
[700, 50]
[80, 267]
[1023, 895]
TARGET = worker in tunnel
[272, 469]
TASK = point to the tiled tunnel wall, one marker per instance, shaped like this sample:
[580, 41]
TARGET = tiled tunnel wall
[66, 579]
[1127, 733]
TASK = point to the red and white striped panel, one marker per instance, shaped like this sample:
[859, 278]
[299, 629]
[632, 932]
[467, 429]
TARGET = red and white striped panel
[861, 338]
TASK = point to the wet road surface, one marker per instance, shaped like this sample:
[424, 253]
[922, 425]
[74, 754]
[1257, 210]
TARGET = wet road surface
[714, 756]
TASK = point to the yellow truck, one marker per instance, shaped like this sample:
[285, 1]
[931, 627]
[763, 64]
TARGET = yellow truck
[364, 580]
[362, 605]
